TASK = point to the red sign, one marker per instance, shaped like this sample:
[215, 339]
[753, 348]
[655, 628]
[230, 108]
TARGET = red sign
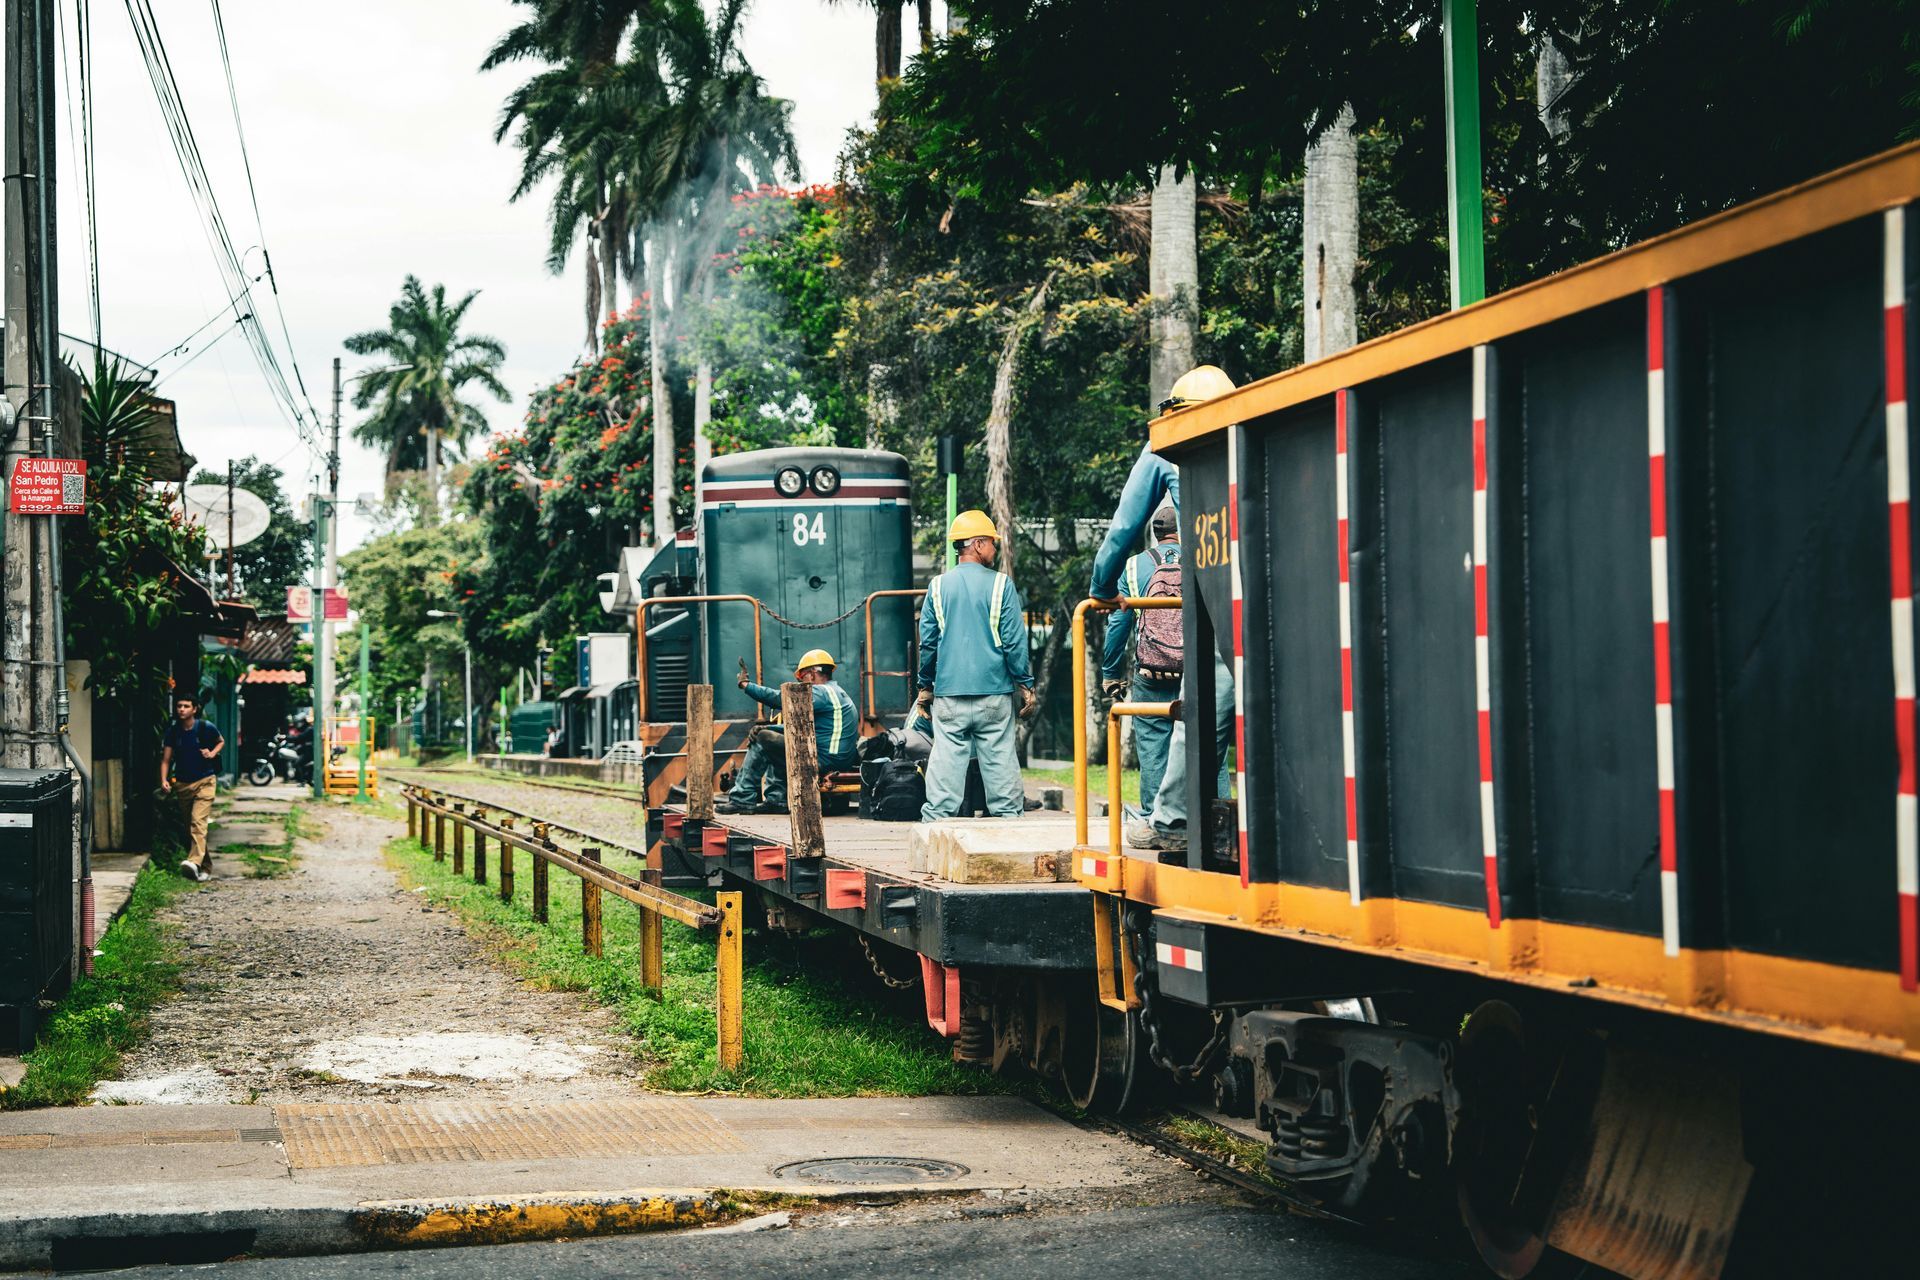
[48, 487]
[300, 604]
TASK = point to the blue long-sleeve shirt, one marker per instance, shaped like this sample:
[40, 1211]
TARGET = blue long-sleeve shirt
[836, 721]
[1120, 623]
[973, 637]
[1152, 481]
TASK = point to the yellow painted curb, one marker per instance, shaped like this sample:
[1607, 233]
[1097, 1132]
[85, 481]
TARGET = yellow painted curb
[398, 1224]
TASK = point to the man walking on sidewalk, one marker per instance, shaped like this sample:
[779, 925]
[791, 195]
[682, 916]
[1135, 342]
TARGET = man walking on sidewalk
[188, 759]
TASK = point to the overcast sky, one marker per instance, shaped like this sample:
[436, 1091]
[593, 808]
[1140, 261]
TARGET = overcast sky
[371, 135]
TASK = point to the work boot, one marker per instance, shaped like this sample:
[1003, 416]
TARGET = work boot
[730, 805]
[1156, 837]
[770, 807]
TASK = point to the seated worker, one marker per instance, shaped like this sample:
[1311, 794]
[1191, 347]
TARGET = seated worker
[1159, 649]
[836, 730]
[973, 664]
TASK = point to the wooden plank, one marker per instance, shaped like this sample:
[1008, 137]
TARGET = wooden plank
[803, 771]
[700, 751]
[652, 959]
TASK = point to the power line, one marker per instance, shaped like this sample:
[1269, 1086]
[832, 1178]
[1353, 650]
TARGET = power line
[246, 164]
[181, 345]
[238, 321]
[299, 410]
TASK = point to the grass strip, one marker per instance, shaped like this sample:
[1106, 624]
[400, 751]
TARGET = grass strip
[817, 1024]
[1096, 782]
[105, 1014]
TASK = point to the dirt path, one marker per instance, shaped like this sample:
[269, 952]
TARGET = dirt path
[333, 983]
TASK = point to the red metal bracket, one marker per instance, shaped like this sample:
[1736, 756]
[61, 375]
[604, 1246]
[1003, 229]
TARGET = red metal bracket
[769, 862]
[673, 826]
[942, 986]
[846, 889]
[713, 841]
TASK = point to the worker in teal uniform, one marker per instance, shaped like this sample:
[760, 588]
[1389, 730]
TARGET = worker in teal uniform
[836, 732]
[1152, 482]
[973, 668]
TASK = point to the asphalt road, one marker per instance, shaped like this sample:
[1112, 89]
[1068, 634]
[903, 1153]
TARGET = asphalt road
[1210, 1240]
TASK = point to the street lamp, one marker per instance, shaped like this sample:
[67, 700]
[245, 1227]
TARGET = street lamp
[467, 650]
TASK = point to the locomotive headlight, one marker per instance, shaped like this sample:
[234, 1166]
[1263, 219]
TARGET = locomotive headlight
[791, 482]
[825, 481]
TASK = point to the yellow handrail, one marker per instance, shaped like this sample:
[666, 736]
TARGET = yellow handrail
[1114, 713]
[866, 658]
[640, 638]
[1080, 612]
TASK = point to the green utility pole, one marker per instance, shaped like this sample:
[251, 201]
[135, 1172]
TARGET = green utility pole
[1466, 244]
[318, 610]
[947, 458]
[953, 509]
[366, 642]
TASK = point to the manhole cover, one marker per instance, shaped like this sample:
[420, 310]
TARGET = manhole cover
[871, 1169]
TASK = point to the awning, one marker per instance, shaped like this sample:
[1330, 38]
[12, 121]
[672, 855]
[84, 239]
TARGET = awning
[602, 690]
[574, 694]
[274, 677]
[228, 618]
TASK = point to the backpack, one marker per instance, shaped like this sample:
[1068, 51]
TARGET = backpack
[1159, 643]
[892, 790]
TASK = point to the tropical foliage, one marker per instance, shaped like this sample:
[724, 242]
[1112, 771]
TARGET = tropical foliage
[121, 561]
[417, 395]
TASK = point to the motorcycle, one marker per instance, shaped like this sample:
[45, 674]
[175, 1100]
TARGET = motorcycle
[283, 760]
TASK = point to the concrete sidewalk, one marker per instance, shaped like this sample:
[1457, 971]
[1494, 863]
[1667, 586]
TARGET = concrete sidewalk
[143, 1183]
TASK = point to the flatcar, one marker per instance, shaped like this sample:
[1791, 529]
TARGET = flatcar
[1574, 682]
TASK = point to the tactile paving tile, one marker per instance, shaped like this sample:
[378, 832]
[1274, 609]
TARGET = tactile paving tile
[344, 1135]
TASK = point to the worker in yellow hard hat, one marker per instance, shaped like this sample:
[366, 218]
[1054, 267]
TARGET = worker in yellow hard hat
[1162, 823]
[836, 731]
[973, 671]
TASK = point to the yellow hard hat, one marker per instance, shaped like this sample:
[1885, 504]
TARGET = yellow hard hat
[972, 524]
[1202, 382]
[814, 658]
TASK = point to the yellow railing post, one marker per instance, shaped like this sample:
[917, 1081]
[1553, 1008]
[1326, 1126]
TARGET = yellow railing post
[652, 927]
[729, 995]
[459, 842]
[589, 908]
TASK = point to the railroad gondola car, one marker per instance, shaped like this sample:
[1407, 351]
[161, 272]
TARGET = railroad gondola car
[1573, 644]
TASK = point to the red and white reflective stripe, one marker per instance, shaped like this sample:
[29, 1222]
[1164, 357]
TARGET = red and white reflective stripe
[1482, 657]
[1094, 868]
[1235, 438]
[1187, 958]
[1346, 646]
[1900, 527]
[1662, 646]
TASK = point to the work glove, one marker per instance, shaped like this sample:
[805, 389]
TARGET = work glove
[1116, 690]
[1029, 701]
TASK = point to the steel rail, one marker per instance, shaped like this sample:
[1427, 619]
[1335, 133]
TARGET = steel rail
[592, 837]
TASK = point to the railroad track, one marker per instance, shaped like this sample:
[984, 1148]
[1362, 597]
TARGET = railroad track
[594, 838]
[522, 780]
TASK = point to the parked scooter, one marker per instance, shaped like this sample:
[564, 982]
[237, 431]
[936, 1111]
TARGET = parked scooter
[284, 760]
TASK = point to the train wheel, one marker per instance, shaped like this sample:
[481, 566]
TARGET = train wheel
[1104, 1063]
[1495, 1133]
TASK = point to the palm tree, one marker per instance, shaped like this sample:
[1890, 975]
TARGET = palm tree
[889, 37]
[570, 121]
[416, 397]
[1330, 216]
[685, 161]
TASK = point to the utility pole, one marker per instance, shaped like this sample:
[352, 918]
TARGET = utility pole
[317, 613]
[324, 673]
[230, 586]
[1466, 231]
[31, 364]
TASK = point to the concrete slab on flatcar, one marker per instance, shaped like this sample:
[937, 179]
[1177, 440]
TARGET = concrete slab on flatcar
[888, 847]
[1033, 849]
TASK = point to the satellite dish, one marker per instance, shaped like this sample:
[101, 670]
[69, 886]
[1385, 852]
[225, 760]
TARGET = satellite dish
[207, 507]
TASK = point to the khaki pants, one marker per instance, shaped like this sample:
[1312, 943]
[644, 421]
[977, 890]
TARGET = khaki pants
[196, 801]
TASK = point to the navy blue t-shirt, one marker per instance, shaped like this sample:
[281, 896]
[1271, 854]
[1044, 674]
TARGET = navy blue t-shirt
[187, 742]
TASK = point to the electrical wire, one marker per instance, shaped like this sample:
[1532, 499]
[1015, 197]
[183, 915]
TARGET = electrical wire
[238, 321]
[181, 345]
[298, 410]
[80, 137]
[246, 164]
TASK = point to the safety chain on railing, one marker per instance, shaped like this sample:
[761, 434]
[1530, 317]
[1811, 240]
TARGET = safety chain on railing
[785, 621]
[656, 904]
